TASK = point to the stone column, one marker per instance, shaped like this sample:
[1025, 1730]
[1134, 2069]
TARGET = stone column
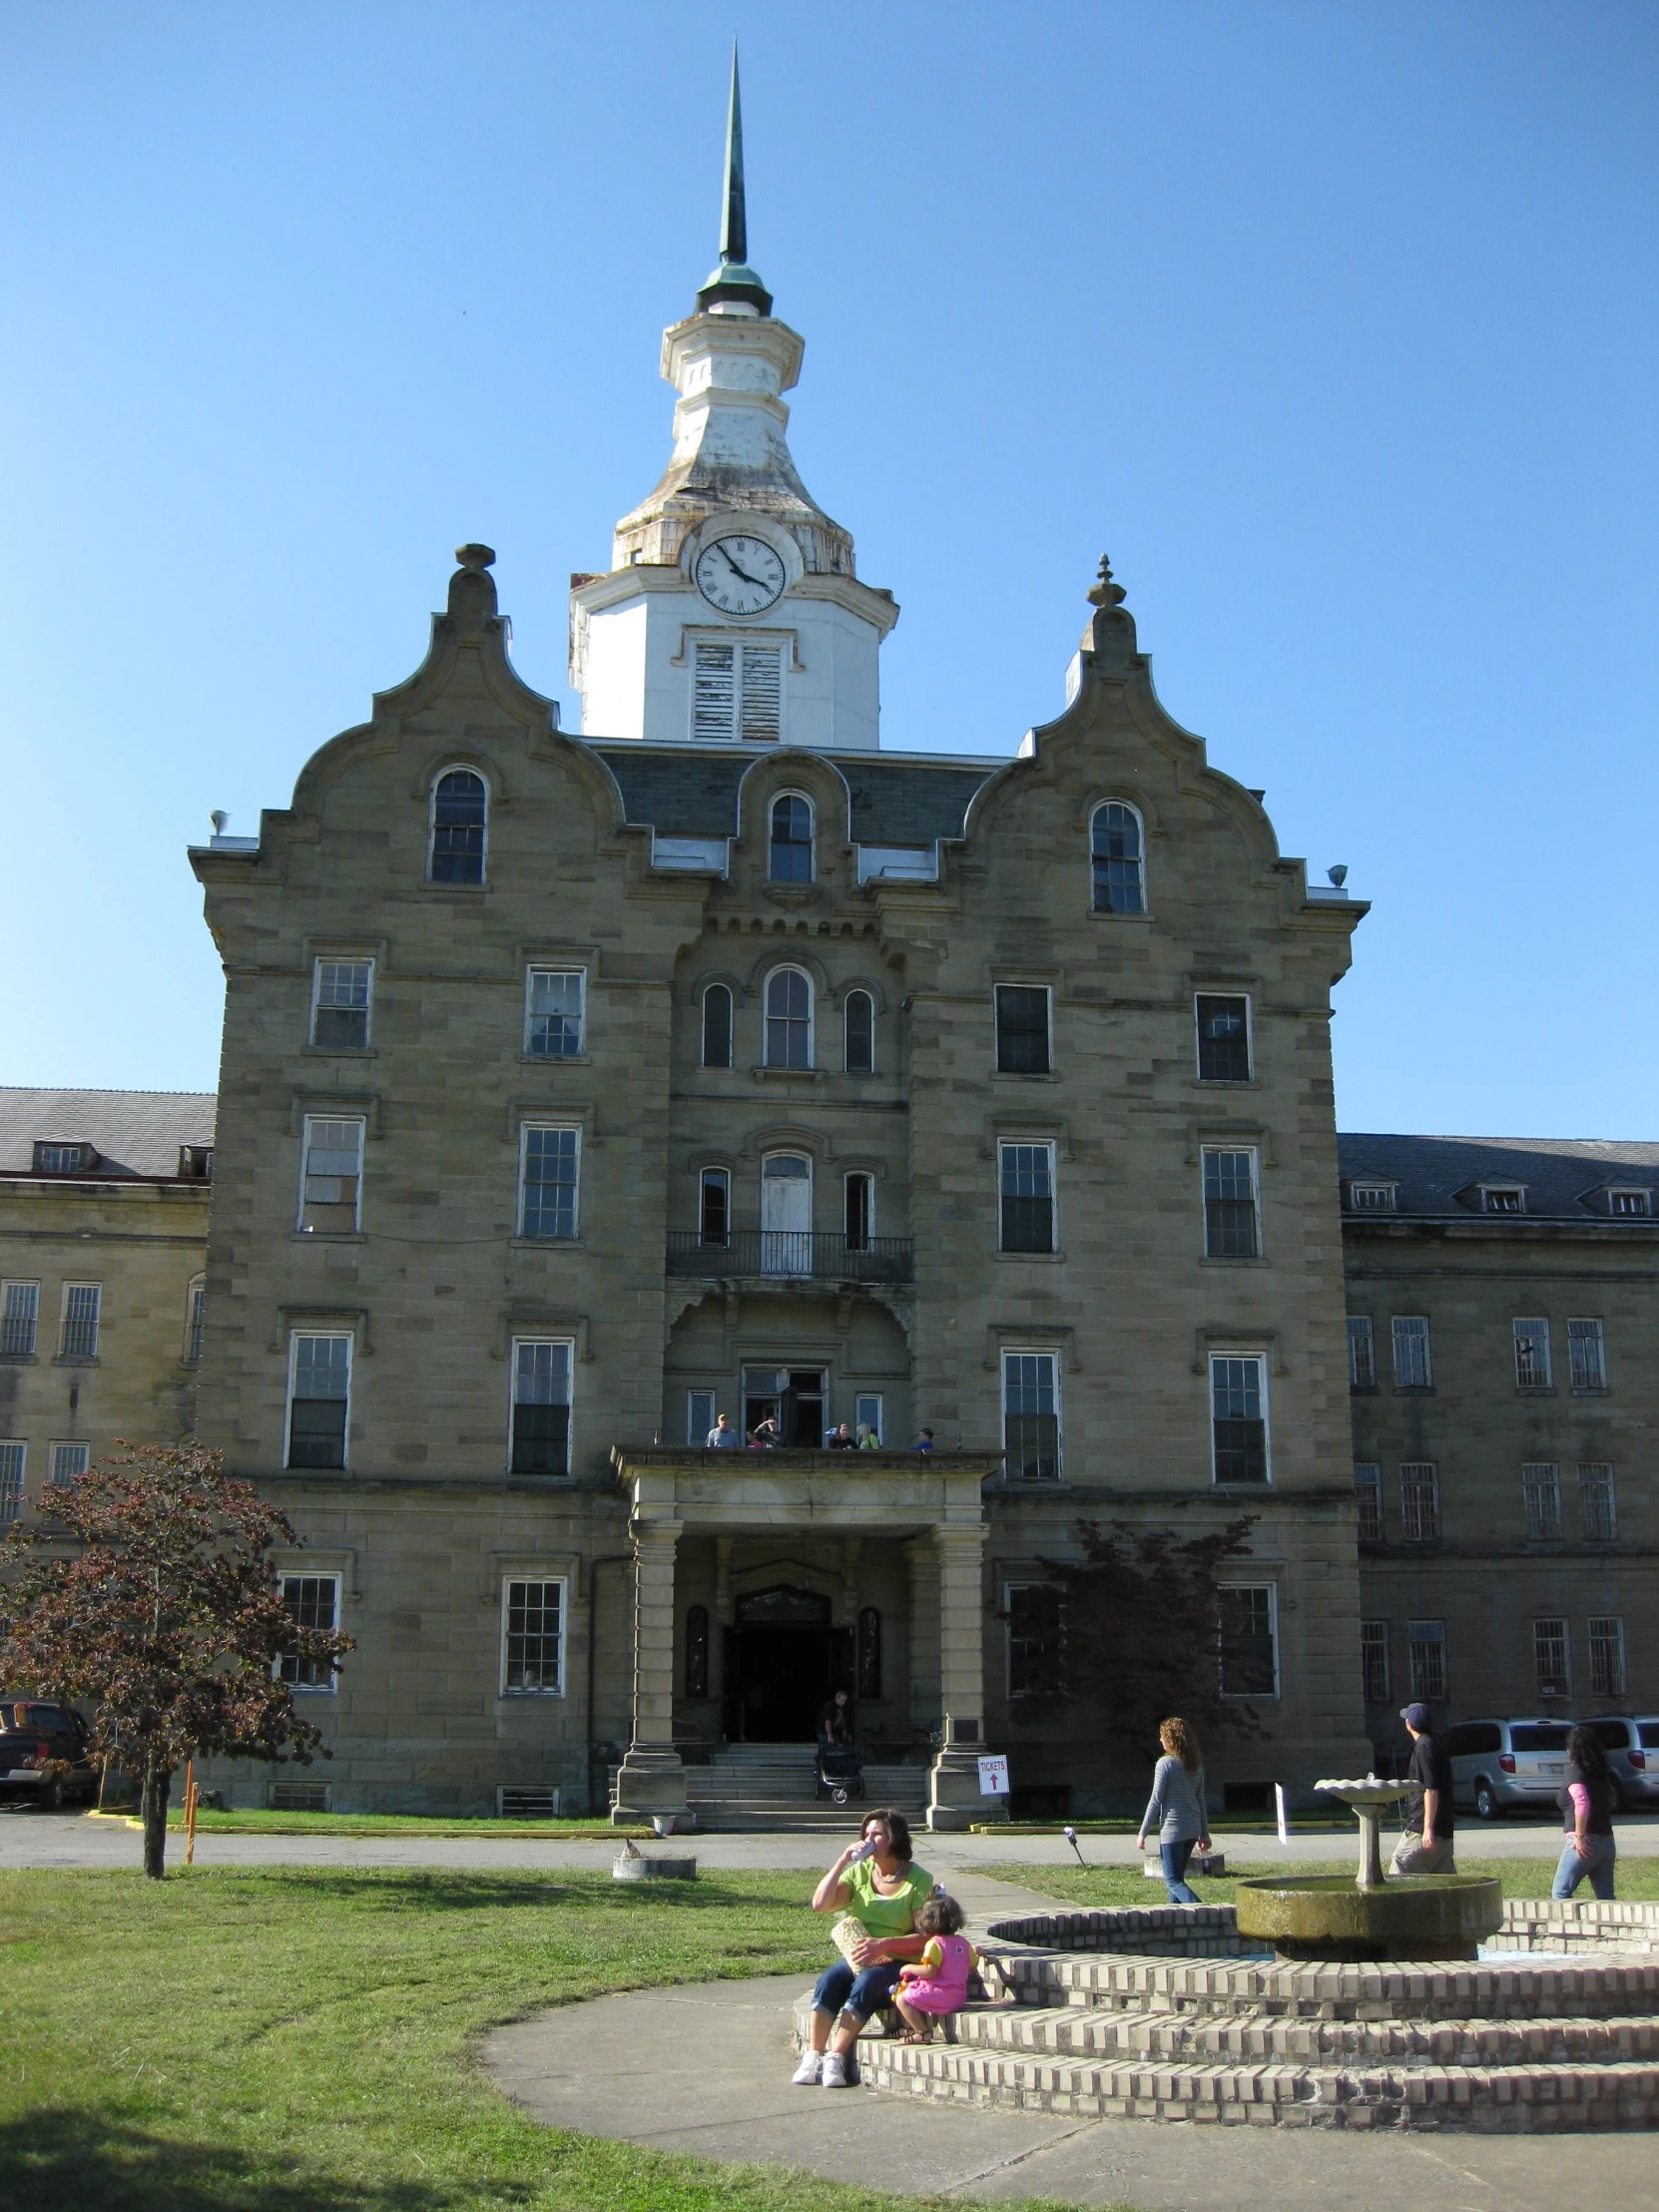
[652, 1781]
[921, 1558]
[955, 1799]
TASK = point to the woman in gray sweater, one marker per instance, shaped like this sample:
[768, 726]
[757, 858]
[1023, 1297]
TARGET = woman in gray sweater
[1177, 1808]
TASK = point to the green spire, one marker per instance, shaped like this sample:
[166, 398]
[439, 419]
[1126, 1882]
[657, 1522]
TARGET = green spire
[733, 278]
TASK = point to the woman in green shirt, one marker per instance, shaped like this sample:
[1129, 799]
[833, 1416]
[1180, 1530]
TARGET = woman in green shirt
[876, 1879]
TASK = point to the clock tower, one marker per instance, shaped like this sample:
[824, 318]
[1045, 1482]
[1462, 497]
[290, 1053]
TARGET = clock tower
[732, 613]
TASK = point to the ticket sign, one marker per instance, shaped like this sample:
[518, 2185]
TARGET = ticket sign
[993, 1777]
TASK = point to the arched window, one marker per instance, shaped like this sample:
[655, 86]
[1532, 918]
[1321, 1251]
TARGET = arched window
[790, 859]
[788, 1019]
[869, 1653]
[717, 1026]
[460, 801]
[860, 1016]
[1119, 860]
[697, 1653]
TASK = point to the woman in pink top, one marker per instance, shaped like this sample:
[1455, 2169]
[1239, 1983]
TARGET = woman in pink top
[937, 1984]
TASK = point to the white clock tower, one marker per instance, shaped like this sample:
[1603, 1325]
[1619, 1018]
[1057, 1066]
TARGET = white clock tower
[732, 613]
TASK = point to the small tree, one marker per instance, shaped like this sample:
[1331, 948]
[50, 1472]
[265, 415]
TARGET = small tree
[168, 1619]
[1145, 1626]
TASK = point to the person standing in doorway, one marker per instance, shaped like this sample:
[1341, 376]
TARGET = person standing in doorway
[1176, 1808]
[1425, 1846]
[1587, 1801]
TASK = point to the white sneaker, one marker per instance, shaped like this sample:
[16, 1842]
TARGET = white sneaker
[834, 2069]
[806, 2074]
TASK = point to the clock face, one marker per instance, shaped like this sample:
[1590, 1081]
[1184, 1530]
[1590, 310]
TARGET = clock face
[740, 574]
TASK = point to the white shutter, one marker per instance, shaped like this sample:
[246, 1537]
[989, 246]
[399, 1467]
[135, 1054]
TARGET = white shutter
[713, 698]
[762, 722]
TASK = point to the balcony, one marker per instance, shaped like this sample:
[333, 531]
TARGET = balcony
[792, 1256]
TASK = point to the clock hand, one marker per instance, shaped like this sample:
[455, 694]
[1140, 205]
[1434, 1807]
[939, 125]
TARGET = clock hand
[742, 572]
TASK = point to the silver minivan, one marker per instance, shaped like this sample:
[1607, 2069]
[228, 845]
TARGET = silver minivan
[1497, 1765]
[1631, 1742]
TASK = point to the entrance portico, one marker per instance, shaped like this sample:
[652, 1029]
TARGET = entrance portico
[927, 1507]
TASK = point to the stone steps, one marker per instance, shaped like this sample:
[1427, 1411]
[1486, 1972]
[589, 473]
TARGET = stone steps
[765, 1787]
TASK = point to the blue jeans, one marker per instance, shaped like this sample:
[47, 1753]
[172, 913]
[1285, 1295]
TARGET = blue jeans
[1174, 1856]
[1598, 1866]
[840, 1990]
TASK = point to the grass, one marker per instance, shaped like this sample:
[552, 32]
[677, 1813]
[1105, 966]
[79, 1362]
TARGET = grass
[1638, 1878]
[298, 2040]
[259, 1821]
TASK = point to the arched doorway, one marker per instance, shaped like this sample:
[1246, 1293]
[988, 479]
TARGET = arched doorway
[783, 1660]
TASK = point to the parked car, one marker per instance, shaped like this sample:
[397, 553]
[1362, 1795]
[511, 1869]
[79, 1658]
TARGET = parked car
[1498, 1764]
[1631, 1742]
[43, 1752]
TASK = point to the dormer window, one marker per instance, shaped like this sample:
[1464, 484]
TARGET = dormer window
[1630, 1204]
[53, 1157]
[196, 1162]
[736, 693]
[1372, 1198]
[789, 852]
[1502, 1198]
[461, 820]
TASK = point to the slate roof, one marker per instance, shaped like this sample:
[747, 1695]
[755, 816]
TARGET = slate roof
[1440, 1178]
[135, 1132]
[686, 792]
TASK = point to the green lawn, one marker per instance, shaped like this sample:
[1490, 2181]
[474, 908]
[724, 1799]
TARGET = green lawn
[260, 1820]
[300, 2039]
[1089, 1886]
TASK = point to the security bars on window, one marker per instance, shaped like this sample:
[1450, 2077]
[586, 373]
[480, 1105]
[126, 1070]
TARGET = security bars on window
[1374, 1661]
[1549, 1655]
[1532, 1368]
[1367, 1493]
[1606, 1656]
[1428, 1661]
[1361, 1354]
[81, 1305]
[19, 1316]
[1587, 1354]
[1413, 1364]
[1420, 1501]
[1598, 1502]
[1541, 1487]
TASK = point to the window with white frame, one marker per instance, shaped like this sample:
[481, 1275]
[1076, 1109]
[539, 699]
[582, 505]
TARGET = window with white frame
[1373, 1662]
[714, 1208]
[1502, 1198]
[1031, 1415]
[459, 829]
[13, 1454]
[1025, 1221]
[196, 1319]
[1541, 1492]
[340, 996]
[1232, 1228]
[1372, 1198]
[1249, 1640]
[1428, 1662]
[331, 1177]
[1367, 1493]
[19, 1319]
[736, 693]
[1239, 1416]
[1420, 1501]
[1413, 1358]
[717, 1025]
[555, 1010]
[1532, 1370]
[532, 1637]
[1361, 1354]
[540, 1438]
[859, 1033]
[1630, 1204]
[788, 1019]
[1587, 1354]
[701, 1408]
[313, 1602]
[1549, 1656]
[319, 1392]
[549, 1163]
[70, 1461]
[1606, 1655]
[1022, 1028]
[1598, 1502]
[790, 840]
[860, 1190]
[82, 1304]
[1223, 1038]
[1036, 1613]
[866, 1415]
[1118, 848]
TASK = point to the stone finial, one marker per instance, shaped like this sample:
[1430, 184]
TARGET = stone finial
[1105, 593]
[478, 556]
[472, 590]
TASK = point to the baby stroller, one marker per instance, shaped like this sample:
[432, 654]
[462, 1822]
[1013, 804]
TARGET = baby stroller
[840, 1771]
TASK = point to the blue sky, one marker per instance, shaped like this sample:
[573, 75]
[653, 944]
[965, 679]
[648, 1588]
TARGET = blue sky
[1334, 323]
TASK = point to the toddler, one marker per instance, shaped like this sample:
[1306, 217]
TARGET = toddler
[937, 1984]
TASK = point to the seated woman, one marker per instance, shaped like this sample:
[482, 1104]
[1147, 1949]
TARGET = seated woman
[876, 1879]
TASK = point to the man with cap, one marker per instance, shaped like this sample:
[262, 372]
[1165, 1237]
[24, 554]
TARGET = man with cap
[1425, 1846]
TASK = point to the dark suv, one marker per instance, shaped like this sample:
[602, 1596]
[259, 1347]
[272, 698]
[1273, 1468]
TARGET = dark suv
[43, 1751]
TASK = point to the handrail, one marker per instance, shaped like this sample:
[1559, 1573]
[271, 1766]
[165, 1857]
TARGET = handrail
[793, 1255]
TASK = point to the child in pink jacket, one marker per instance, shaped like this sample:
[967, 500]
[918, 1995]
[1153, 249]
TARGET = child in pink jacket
[937, 1984]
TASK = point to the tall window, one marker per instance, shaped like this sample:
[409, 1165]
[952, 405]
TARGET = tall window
[532, 1639]
[1587, 1354]
[195, 1317]
[1239, 1416]
[1027, 1197]
[541, 1407]
[331, 1177]
[736, 693]
[319, 1389]
[1036, 1639]
[1367, 1493]
[341, 992]
[868, 1414]
[1222, 1039]
[1428, 1662]
[1597, 1503]
[82, 1305]
[313, 1602]
[1420, 1501]
[548, 1167]
[1031, 1415]
[1549, 1656]
[1249, 1641]
[697, 1651]
[1606, 1656]
[554, 1013]
[13, 1452]
[714, 1208]
[460, 807]
[1413, 1362]
[790, 854]
[717, 1026]
[1374, 1661]
[1532, 1354]
[701, 1408]
[788, 1019]
[1231, 1231]
[859, 1033]
[860, 1212]
[1021, 1029]
[870, 1652]
[1119, 860]
[1361, 1354]
[1541, 1491]
[19, 1319]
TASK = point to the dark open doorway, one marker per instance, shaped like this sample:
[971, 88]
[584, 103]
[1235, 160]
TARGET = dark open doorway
[793, 1398]
[783, 1661]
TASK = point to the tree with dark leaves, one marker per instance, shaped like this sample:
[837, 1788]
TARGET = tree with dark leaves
[146, 1589]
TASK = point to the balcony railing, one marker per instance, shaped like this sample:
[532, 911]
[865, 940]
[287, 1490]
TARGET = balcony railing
[793, 1255]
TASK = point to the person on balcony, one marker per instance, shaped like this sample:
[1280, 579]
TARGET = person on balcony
[839, 1439]
[767, 1435]
[721, 1438]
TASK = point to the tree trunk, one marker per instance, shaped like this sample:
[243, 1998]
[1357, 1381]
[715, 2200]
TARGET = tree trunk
[158, 1783]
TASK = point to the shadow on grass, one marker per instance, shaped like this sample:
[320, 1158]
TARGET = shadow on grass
[456, 1889]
